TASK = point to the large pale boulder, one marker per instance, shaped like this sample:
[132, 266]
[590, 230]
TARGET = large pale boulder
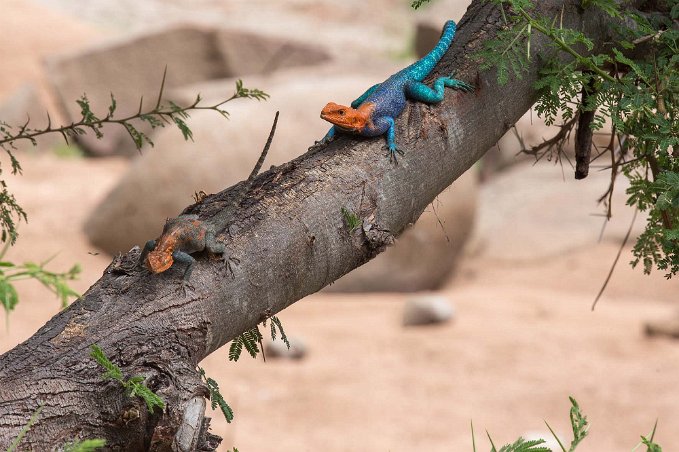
[532, 212]
[132, 68]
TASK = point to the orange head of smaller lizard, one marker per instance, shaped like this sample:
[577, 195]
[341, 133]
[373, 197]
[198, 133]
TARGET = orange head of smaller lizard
[347, 118]
[159, 260]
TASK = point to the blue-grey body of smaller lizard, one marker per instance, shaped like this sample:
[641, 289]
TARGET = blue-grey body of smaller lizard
[374, 112]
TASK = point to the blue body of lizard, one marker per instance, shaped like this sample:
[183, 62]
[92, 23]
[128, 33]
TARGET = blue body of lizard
[374, 112]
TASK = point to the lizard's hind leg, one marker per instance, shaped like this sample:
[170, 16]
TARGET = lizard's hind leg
[215, 247]
[418, 91]
[385, 124]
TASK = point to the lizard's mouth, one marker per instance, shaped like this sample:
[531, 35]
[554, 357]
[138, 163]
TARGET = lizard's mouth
[159, 262]
[345, 118]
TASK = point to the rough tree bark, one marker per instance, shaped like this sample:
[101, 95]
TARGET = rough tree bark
[291, 240]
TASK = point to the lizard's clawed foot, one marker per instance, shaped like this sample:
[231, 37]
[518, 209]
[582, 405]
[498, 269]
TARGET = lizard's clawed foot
[392, 154]
[228, 260]
[185, 285]
[459, 84]
[319, 144]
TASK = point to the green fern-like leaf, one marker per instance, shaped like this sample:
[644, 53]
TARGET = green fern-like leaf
[134, 385]
[88, 445]
[250, 341]
[235, 348]
[523, 445]
[651, 446]
[247, 93]
[10, 213]
[417, 3]
[216, 398]
[276, 324]
[609, 6]
[8, 295]
[137, 388]
[184, 128]
[113, 372]
[579, 424]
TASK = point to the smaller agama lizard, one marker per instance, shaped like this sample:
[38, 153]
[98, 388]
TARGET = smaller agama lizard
[186, 234]
[374, 112]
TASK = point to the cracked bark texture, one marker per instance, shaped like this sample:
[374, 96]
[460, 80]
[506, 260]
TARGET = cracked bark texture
[291, 240]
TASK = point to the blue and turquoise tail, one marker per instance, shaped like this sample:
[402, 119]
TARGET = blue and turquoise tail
[420, 69]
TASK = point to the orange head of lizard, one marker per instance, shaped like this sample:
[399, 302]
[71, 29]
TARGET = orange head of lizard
[159, 260]
[347, 118]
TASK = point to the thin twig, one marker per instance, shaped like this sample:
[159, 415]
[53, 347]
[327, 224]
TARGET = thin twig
[615, 262]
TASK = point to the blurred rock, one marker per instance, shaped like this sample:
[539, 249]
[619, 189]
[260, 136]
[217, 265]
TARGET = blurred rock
[24, 104]
[132, 68]
[430, 23]
[666, 327]
[427, 309]
[425, 255]
[161, 183]
[534, 212]
[247, 53]
[278, 349]
[427, 34]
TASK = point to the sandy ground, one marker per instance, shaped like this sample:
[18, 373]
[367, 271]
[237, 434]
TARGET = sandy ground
[522, 341]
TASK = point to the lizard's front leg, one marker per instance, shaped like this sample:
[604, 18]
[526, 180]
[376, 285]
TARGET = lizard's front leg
[328, 136]
[325, 140]
[185, 258]
[385, 125]
[148, 247]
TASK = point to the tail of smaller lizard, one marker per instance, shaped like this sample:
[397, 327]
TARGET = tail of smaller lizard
[265, 151]
[420, 69]
[226, 214]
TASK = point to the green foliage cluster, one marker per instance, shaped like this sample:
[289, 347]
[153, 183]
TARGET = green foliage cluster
[134, 385]
[216, 398]
[251, 340]
[55, 282]
[635, 85]
[580, 428]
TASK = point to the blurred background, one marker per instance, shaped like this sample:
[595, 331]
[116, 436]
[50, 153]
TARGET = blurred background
[481, 312]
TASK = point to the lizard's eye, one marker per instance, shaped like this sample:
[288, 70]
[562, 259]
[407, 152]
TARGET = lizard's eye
[341, 112]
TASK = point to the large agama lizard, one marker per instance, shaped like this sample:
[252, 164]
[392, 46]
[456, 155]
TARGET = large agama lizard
[186, 234]
[374, 112]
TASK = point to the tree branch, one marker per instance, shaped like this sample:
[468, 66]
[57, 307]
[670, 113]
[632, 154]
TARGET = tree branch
[291, 240]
